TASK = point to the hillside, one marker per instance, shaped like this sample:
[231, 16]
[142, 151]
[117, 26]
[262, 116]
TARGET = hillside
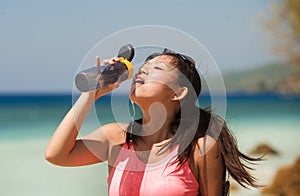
[275, 78]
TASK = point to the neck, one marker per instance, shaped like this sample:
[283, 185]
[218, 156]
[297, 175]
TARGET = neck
[156, 124]
[154, 135]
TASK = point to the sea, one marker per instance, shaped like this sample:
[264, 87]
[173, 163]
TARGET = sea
[27, 122]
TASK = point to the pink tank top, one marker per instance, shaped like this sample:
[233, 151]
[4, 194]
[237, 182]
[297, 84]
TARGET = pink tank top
[131, 176]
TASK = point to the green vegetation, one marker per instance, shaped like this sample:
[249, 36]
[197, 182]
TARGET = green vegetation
[275, 78]
[266, 78]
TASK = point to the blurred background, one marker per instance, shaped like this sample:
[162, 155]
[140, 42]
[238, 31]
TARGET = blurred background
[256, 45]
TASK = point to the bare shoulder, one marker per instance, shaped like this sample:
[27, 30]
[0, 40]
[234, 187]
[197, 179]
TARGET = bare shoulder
[210, 166]
[206, 145]
[207, 151]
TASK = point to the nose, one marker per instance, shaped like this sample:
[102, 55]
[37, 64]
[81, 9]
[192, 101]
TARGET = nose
[142, 71]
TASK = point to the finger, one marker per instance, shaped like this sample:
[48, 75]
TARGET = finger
[105, 62]
[97, 60]
[113, 86]
[117, 84]
[111, 61]
[116, 59]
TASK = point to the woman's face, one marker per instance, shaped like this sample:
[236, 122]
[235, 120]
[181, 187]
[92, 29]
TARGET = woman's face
[156, 81]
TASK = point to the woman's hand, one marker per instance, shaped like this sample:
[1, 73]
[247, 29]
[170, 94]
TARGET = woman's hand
[107, 89]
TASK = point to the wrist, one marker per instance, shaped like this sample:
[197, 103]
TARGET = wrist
[88, 97]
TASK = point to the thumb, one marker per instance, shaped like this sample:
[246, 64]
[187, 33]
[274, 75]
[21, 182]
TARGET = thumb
[97, 61]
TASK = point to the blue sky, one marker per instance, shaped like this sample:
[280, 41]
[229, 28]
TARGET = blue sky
[42, 43]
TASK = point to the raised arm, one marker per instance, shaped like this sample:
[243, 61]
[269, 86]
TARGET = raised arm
[65, 149]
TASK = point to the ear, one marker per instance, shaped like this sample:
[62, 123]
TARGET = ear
[180, 94]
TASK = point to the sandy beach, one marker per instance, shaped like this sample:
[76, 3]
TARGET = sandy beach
[265, 171]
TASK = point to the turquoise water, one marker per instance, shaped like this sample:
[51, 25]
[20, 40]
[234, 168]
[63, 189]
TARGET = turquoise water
[28, 121]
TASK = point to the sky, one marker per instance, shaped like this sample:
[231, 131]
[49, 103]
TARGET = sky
[42, 43]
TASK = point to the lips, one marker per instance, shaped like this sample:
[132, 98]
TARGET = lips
[139, 80]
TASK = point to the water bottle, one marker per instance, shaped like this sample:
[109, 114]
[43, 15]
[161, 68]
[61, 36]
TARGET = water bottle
[100, 76]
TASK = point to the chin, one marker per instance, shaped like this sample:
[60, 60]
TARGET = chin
[139, 99]
[132, 96]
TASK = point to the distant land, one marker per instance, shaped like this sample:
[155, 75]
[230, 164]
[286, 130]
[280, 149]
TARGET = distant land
[269, 78]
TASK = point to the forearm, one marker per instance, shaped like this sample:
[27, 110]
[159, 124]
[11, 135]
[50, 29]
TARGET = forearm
[64, 138]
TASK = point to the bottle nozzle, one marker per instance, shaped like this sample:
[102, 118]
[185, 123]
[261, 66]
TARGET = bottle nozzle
[127, 52]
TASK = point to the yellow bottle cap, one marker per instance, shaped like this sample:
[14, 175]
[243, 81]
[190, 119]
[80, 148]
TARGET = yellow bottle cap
[129, 67]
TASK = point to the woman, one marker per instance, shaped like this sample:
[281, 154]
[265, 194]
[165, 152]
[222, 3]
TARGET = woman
[176, 148]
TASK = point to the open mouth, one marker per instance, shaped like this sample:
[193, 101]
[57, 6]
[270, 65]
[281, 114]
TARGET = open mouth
[139, 80]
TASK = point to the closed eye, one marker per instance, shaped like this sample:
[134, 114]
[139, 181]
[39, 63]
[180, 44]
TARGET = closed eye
[159, 68]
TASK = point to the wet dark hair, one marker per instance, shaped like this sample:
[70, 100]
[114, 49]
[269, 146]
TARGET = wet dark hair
[187, 127]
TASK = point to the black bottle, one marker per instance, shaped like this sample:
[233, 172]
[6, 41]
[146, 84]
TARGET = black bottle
[100, 76]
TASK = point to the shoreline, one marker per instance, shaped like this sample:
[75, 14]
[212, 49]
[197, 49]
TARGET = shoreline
[229, 94]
